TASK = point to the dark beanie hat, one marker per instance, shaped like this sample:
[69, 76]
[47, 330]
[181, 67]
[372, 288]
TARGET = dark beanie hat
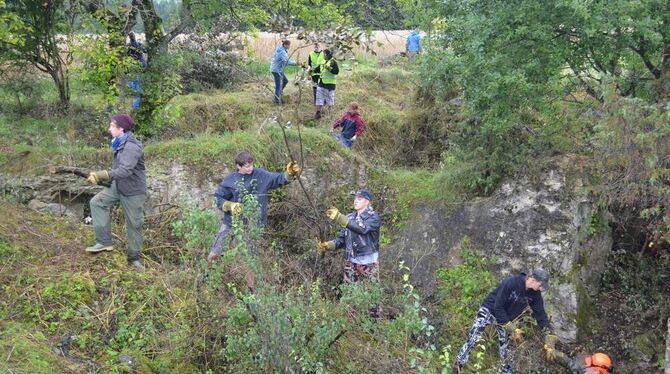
[124, 121]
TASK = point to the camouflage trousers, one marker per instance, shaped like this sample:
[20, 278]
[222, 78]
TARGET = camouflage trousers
[358, 273]
[483, 319]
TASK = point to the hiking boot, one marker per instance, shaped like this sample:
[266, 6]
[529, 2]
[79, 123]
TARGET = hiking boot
[137, 265]
[456, 369]
[507, 371]
[99, 248]
[317, 115]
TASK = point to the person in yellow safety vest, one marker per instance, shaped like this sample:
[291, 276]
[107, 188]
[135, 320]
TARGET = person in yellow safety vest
[314, 60]
[597, 363]
[325, 91]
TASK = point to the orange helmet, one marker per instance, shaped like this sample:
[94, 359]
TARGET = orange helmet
[599, 361]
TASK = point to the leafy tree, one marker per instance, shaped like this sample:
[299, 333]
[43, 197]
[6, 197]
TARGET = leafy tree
[34, 32]
[517, 62]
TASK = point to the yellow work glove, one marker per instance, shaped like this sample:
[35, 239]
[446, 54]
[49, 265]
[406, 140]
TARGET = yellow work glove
[550, 347]
[98, 177]
[338, 217]
[292, 169]
[326, 246]
[232, 207]
[514, 332]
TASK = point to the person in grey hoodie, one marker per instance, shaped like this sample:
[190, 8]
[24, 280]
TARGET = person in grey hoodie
[127, 185]
[277, 66]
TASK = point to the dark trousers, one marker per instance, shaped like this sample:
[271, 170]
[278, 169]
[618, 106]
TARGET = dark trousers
[133, 210]
[315, 79]
[280, 83]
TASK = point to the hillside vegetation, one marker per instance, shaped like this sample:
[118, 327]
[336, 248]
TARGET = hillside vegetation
[501, 91]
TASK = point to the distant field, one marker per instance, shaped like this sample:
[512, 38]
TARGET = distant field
[263, 46]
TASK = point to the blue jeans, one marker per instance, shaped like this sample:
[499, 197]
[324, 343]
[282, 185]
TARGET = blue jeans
[135, 84]
[347, 142]
[280, 82]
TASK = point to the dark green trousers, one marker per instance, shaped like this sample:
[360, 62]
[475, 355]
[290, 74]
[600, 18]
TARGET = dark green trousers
[133, 210]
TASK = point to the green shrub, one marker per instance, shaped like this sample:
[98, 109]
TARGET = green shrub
[462, 289]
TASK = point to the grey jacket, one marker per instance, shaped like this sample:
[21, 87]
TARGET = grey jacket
[361, 236]
[128, 170]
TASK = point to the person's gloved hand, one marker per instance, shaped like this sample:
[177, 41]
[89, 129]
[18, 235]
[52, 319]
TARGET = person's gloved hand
[338, 217]
[98, 177]
[292, 168]
[514, 331]
[326, 246]
[550, 347]
[232, 207]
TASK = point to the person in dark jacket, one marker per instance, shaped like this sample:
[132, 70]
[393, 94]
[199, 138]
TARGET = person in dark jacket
[359, 237]
[325, 90]
[128, 187]
[502, 307]
[246, 180]
[136, 51]
[352, 126]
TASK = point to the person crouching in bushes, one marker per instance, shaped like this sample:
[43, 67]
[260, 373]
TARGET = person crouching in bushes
[352, 126]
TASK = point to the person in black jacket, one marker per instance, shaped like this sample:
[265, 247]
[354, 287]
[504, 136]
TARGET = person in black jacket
[502, 307]
[128, 187]
[359, 237]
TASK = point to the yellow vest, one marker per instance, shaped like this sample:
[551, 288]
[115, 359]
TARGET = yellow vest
[326, 76]
[316, 59]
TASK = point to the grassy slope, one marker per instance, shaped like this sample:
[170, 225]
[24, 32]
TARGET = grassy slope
[52, 289]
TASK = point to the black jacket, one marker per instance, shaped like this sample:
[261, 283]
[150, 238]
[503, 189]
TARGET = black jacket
[360, 237]
[511, 297]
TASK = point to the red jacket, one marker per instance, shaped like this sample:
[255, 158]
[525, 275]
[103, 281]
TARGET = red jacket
[352, 124]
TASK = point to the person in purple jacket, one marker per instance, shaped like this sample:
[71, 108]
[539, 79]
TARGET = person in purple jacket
[501, 308]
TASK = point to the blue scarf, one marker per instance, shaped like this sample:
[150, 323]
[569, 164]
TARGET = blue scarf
[116, 142]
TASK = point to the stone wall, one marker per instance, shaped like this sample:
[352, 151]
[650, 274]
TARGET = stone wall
[523, 225]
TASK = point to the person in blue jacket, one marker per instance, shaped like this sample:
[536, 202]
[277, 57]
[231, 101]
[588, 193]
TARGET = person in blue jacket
[246, 180]
[501, 308]
[277, 66]
[413, 44]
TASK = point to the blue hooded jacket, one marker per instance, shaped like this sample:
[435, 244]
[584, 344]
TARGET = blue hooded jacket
[280, 60]
[413, 43]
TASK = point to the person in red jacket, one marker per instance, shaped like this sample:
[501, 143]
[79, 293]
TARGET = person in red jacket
[352, 126]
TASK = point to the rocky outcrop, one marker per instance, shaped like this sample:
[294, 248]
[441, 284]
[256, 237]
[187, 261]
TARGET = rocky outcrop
[524, 225]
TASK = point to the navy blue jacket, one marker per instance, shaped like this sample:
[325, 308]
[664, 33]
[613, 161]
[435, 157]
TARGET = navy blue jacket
[360, 237]
[511, 297]
[258, 183]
